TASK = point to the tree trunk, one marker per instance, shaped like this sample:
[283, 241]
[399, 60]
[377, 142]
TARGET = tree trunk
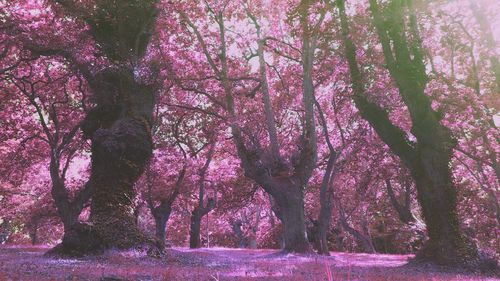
[160, 228]
[290, 202]
[5, 230]
[268, 169]
[119, 155]
[161, 213]
[68, 210]
[119, 127]
[195, 230]
[365, 242]
[325, 201]
[201, 209]
[321, 239]
[404, 211]
[236, 226]
[34, 232]
[252, 244]
[437, 198]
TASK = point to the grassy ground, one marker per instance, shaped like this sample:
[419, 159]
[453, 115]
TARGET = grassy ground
[28, 263]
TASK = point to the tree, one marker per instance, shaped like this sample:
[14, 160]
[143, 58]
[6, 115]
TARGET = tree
[284, 179]
[161, 212]
[119, 126]
[201, 209]
[429, 157]
[54, 95]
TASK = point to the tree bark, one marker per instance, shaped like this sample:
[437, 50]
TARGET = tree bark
[195, 230]
[437, 197]
[326, 192]
[252, 244]
[363, 239]
[487, 36]
[34, 231]
[67, 209]
[290, 202]
[5, 230]
[160, 227]
[60, 145]
[120, 152]
[323, 228]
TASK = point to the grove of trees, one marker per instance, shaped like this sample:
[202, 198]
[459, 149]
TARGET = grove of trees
[304, 125]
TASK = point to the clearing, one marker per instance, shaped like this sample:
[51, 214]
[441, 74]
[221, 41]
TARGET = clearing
[28, 263]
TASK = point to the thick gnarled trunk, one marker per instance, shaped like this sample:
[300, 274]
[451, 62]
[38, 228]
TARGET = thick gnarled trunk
[290, 202]
[119, 126]
[437, 197]
[119, 155]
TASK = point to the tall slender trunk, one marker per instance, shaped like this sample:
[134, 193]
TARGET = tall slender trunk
[34, 232]
[323, 228]
[202, 208]
[326, 206]
[5, 230]
[252, 244]
[326, 191]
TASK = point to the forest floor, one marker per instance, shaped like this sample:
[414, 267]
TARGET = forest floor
[28, 263]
